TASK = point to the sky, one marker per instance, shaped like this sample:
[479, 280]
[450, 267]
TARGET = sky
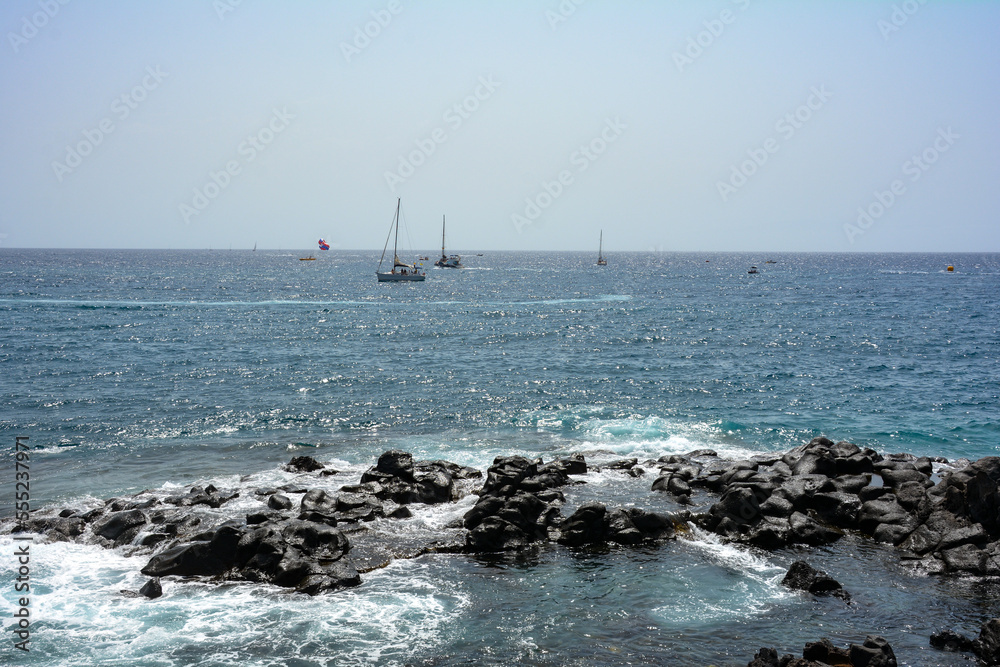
[719, 125]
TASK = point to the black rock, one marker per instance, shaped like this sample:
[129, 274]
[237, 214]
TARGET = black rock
[303, 464]
[875, 652]
[318, 500]
[766, 657]
[987, 645]
[152, 589]
[395, 463]
[587, 525]
[825, 652]
[621, 464]
[807, 531]
[121, 527]
[279, 502]
[804, 577]
[948, 640]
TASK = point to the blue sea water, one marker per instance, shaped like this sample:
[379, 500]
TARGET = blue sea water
[131, 370]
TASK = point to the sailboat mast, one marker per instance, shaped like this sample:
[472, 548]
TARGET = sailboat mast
[442, 235]
[395, 243]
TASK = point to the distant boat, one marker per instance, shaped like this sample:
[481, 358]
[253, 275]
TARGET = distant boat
[753, 269]
[447, 261]
[600, 251]
[323, 245]
[401, 271]
[255, 246]
[310, 258]
[770, 261]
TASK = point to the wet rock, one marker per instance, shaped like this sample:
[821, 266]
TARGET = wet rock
[621, 464]
[804, 577]
[777, 506]
[894, 477]
[434, 487]
[948, 640]
[507, 524]
[151, 589]
[893, 533]
[875, 652]
[825, 652]
[279, 502]
[455, 470]
[856, 464]
[701, 453]
[885, 510]
[318, 541]
[56, 529]
[807, 531]
[771, 533]
[318, 501]
[303, 464]
[973, 534]
[739, 505]
[765, 657]
[853, 484]
[815, 463]
[586, 525]
[987, 645]
[621, 529]
[121, 527]
[910, 494]
[395, 463]
[921, 541]
[974, 493]
[966, 558]
[506, 474]
[672, 483]
[840, 509]
[800, 490]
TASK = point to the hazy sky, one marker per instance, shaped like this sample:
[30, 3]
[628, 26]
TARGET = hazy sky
[832, 125]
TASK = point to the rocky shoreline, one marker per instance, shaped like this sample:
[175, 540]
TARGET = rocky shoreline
[942, 517]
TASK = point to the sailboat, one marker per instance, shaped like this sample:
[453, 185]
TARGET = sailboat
[400, 270]
[447, 261]
[600, 251]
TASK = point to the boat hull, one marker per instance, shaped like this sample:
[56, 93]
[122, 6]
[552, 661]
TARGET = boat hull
[400, 278]
[453, 262]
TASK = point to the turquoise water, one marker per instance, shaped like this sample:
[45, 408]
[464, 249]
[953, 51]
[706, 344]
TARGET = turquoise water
[154, 369]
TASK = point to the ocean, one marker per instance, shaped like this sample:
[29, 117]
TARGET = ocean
[134, 369]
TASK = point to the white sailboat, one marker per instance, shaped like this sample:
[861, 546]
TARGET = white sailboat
[401, 271]
[447, 261]
[600, 251]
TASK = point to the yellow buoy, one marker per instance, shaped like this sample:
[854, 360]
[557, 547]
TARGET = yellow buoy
[951, 268]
